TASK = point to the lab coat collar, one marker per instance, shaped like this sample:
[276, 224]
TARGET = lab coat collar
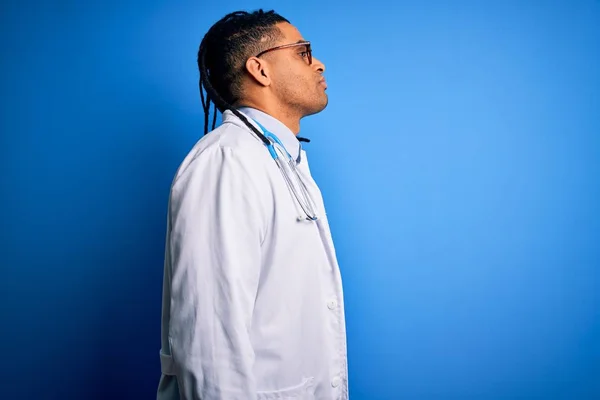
[276, 127]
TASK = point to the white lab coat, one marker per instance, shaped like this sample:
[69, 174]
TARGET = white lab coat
[252, 298]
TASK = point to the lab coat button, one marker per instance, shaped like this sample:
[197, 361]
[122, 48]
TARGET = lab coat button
[336, 382]
[331, 304]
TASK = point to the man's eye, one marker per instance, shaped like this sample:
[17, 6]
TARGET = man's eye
[304, 54]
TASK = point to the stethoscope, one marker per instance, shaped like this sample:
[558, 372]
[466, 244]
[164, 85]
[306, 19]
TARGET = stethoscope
[288, 169]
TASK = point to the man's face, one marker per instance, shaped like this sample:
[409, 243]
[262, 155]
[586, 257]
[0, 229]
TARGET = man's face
[296, 83]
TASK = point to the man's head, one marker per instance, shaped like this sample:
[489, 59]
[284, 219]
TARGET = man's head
[260, 59]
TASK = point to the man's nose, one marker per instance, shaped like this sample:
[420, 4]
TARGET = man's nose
[318, 65]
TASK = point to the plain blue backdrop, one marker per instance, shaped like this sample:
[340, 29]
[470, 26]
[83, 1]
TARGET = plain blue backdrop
[459, 159]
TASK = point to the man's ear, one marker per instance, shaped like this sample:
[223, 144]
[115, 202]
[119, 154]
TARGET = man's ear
[259, 71]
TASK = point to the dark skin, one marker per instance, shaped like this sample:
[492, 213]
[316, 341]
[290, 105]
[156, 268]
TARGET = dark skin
[282, 84]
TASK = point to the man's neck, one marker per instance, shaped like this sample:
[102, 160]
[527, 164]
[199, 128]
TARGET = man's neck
[291, 121]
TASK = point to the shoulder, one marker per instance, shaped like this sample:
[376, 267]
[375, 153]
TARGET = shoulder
[229, 145]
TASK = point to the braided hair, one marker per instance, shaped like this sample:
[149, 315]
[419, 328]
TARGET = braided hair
[222, 57]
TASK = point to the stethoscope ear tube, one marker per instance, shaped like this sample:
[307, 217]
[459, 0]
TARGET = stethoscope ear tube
[299, 191]
[303, 198]
[272, 151]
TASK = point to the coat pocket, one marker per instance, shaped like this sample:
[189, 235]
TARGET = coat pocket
[303, 391]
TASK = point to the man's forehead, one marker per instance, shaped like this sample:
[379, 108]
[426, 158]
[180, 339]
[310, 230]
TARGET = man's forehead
[291, 34]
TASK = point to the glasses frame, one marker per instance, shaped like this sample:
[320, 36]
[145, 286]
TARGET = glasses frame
[287, 46]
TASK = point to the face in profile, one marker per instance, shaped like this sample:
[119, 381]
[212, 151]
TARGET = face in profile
[296, 76]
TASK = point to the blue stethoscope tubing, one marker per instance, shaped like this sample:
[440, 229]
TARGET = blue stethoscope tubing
[300, 193]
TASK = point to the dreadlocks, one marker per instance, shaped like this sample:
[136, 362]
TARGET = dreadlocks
[222, 56]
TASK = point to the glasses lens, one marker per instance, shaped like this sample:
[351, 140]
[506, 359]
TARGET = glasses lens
[306, 53]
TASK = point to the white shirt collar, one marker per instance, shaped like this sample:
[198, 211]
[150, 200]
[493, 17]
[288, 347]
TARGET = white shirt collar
[276, 127]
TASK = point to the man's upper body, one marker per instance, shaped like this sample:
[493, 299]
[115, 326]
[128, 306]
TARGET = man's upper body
[252, 295]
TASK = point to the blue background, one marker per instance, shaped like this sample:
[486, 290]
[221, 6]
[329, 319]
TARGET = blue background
[459, 159]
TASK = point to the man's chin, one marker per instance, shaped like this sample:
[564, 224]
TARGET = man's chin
[317, 108]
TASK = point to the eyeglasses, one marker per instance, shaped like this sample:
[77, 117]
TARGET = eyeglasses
[308, 50]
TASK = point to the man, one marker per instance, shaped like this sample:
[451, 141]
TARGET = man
[252, 295]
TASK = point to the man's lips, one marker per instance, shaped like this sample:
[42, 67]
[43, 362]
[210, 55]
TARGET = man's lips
[323, 83]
